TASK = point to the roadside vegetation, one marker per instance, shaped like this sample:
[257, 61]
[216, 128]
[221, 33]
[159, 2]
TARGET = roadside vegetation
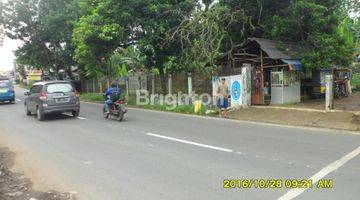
[355, 81]
[185, 109]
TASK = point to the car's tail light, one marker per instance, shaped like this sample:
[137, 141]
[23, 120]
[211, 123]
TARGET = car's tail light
[43, 96]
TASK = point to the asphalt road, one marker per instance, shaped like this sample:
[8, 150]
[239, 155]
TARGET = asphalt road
[155, 156]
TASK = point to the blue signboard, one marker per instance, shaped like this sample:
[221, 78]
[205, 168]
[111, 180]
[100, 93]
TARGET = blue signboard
[236, 90]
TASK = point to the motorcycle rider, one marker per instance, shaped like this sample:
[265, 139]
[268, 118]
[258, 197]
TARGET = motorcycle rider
[112, 94]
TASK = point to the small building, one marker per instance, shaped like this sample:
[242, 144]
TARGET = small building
[275, 75]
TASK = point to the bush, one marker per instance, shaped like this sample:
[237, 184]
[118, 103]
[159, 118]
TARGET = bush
[355, 81]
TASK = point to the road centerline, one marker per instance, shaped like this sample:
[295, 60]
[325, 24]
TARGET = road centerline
[190, 143]
[321, 174]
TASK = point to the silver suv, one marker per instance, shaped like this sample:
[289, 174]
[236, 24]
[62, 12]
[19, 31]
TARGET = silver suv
[52, 97]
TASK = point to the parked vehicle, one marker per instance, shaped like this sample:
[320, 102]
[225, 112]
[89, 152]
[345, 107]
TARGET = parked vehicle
[7, 91]
[339, 89]
[52, 97]
[117, 110]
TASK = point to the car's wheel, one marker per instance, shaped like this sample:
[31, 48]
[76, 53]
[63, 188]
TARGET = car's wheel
[27, 112]
[40, 115]
[75, 113]
[12, 101]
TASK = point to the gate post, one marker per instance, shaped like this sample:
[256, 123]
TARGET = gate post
[246, 85]
[329, 93]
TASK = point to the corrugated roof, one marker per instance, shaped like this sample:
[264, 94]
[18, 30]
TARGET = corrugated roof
[291, 50]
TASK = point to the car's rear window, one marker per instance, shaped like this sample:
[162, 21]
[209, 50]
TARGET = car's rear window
[4, 83]
[59, 88]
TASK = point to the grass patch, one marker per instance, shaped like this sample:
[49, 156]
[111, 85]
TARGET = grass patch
[185, 109]
[92, 97]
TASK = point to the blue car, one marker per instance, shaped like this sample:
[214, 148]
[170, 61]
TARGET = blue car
[7, 92]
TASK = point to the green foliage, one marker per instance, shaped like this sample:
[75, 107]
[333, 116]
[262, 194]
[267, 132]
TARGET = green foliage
[111, 25]
[206, 36]
[316, 24]
[127, 60]
[1, 23]
[355, 81]
[45, 27]
[92, 97]
[114, 38]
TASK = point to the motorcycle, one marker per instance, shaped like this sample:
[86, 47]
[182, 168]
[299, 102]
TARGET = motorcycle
[339, 90]
[117, 110]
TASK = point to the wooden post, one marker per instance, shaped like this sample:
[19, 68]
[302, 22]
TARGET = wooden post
[101, 87]
[94, 87]
[127, 88]
[153, 84]
[262, 74]
[170, 84]
[139, 82]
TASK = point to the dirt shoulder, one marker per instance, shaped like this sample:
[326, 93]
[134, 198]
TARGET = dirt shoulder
[351, 103]
[15, 186]
[332, 120]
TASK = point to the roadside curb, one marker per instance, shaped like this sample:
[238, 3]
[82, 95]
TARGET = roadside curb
[313, 128]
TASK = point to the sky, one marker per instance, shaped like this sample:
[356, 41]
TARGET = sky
[6, 53]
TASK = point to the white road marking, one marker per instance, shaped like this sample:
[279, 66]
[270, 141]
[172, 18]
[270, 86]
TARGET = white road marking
[82, 118]
[18, 100]
[321, 174]
[189, 142]
[88, 163]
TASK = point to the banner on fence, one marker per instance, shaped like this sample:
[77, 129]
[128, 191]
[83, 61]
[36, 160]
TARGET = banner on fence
[235, 87]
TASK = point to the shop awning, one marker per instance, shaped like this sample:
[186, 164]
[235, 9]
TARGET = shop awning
[296, 64]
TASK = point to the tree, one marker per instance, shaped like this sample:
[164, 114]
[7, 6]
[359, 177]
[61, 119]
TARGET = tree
[45, 27]
[317, 24]
[206, 36]
[111, 25]
[126, 61]
[1, 23]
